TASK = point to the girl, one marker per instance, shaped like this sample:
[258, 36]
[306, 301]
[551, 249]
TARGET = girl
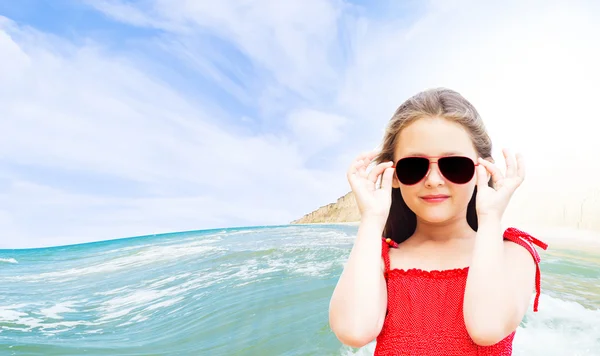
[444, 279]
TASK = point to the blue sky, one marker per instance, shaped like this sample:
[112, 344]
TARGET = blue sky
[125, 118]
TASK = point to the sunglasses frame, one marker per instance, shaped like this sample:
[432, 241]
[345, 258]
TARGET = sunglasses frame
[432, 161]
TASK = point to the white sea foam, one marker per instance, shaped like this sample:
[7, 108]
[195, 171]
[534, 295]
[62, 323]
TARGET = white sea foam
[54, 311]
[120, 306]
[25, 321]
[114, 291]
[112, 309]
[8, 314]
[141, 301]
[318, 237]
[162, 281]
[559, 328]
[93, 331]
[8, 260]
[164, 304]
[298, 252]
[244, 232]
[42, 316]
[315, 269]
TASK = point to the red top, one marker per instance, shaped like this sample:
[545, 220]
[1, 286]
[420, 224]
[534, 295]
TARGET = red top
[425, 309]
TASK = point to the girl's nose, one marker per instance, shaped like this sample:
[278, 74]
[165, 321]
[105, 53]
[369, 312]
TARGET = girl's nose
[434, 177]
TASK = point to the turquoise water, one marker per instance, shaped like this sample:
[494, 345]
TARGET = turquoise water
[250, 291]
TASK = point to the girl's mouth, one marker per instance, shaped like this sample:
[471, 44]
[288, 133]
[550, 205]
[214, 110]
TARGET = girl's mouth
[438, 198]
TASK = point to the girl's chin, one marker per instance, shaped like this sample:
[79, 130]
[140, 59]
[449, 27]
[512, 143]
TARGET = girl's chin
[436, 216]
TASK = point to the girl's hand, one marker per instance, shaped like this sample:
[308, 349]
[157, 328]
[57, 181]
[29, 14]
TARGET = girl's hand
[373, 202]
[493, 201]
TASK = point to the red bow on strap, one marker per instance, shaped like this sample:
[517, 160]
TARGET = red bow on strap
[514, 232]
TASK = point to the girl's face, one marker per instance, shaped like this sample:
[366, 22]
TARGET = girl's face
[435, 137]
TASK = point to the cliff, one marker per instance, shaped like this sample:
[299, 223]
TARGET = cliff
[343, 210]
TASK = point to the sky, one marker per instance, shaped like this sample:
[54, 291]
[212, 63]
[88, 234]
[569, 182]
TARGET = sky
[124, 118]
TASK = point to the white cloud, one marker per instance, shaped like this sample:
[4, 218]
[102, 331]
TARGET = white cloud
[291, 41]
[315, 130]
[88, 111]
[529, 67]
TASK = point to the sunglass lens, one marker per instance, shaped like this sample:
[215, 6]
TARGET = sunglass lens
[411, 170]
[458, 170]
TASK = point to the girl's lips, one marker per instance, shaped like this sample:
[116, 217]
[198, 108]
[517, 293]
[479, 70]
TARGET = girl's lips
[435, 198]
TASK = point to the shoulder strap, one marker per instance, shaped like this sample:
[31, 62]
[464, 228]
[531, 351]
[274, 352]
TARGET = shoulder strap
[527, 241]
[385, 249]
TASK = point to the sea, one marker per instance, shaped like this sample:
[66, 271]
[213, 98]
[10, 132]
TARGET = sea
[239, 291]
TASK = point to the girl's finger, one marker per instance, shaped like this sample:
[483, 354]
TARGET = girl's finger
[386, 179]
[362, 169]
[494, 171]
[511, 163]
[353, 169]
[482, 178]
[378, 170]
[368, 157]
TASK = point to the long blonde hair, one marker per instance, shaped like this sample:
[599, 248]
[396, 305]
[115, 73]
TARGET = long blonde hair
[437, 102]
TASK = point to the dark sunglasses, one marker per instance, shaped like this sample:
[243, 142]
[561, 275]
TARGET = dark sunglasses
[456, 169]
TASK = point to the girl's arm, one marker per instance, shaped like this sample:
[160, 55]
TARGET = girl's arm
[359, 302]
[499, 285]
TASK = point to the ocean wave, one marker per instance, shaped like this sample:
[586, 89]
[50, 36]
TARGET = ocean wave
[198, 292]
[8, 260]
[143, 257]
